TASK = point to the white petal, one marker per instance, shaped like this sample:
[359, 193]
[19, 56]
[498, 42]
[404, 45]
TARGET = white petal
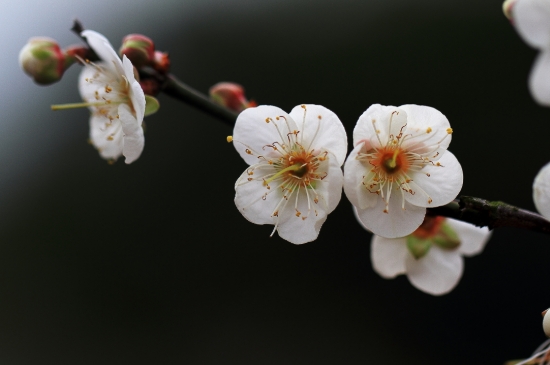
[87, 89]
[539, 84]
[134, 140]
[541, 191]
[442, 186]
[397, 223]
[320, 128]
[334, 183]
[388, 256]
[472, 238]
[298, 231]
[420, 120]
[248, 198]
[253, 133]
[354, 171]
[532, 21]
[136, 92]
[387, 120]
[436, 273]
[104, 50]
[107, 138]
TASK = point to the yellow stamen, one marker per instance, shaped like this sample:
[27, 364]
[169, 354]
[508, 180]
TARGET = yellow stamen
[295, 167]
[229, 139]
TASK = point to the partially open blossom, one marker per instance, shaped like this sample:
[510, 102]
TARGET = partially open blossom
[139, 49]
[531, 19]
[294, 180]
[116, 102]
[43, 60]
[399, 166]
[431, 257]
[541, 191]
[231, 96]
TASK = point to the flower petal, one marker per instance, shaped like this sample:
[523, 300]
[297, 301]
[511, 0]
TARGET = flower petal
[332, 184]
[136, 92]
[134, 140]
[441, 186]
[320, 128]
[538, 79]
[377, 123]
[398, 222]
[472, 238]
[430, 122]
[298, 231]
[532, 21]
[541, 191]
[253, 133]
[437, 273]
[388, 256]
[354, 172]
[103, 48]
[107, 138]
[255, 201]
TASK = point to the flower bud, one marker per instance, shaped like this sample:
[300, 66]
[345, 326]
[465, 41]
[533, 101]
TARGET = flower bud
[42, 59]
[139, 49]
[161, 62]
[231, 96]
[150, 86]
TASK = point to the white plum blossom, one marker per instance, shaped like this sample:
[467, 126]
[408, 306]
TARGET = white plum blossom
[116, 101]
[541, 191]
[431, 257]
[295, 179]
[399, 166]
[532, 21]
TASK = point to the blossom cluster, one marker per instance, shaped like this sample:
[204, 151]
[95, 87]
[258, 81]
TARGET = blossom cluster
[399, 166]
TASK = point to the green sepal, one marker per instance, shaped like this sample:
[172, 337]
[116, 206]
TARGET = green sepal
[419, 247]
[151, 105]
[446, 238]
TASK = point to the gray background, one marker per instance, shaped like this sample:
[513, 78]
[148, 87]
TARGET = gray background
[151, 263]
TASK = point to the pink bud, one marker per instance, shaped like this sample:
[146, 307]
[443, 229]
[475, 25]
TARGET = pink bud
[139, 49]
[42, 59]
[161, 62]
[231, 96]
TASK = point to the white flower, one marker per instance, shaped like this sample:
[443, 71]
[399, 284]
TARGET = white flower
[294, 180]
[400, 166]
[116, 100]
[431, 257]
[541, 191]
[532, 21]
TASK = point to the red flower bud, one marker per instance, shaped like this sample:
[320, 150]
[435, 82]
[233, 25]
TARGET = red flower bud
[161, 62]
[231, 96]
[139, 49]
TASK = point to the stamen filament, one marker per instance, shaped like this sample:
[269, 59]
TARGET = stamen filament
[295, 167]
[81, 105]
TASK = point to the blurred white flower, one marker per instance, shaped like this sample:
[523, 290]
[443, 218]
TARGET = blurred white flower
[431, 257]
[541, 191]
[295, 179]
[399, 166]
[532, 21]
[116, 101]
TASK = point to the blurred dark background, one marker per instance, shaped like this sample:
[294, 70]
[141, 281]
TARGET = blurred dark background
[151, 263]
